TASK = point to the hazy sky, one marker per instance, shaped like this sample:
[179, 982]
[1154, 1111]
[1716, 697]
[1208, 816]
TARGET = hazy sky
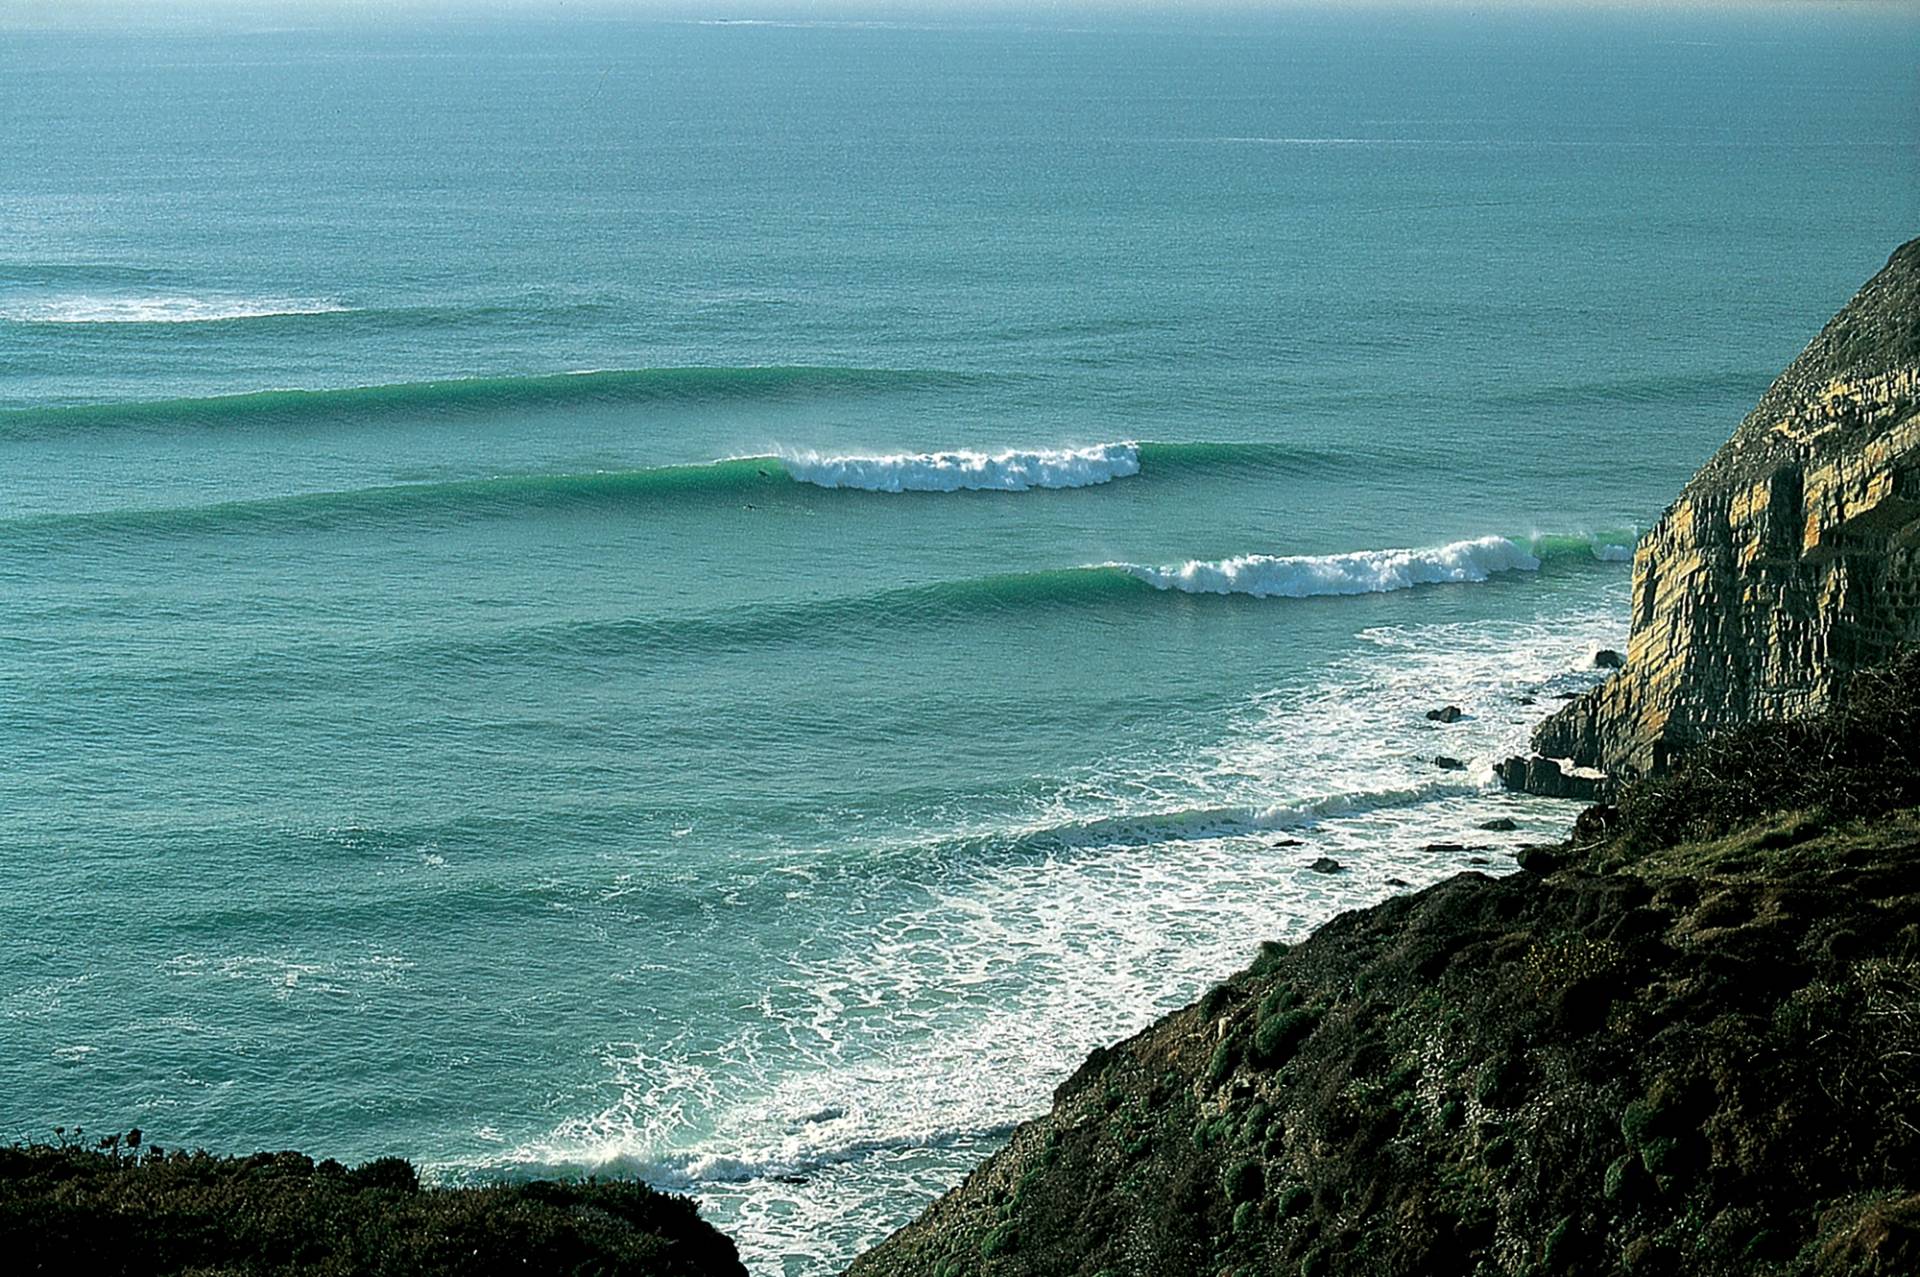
[188, 15]
[55, 10]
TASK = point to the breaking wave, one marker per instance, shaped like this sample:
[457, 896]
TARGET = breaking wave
[1360, 572]
[168, 309]
[1012, 470]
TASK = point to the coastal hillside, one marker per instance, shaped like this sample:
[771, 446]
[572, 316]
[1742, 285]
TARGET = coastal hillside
[1791, 560]
[1685, 1042]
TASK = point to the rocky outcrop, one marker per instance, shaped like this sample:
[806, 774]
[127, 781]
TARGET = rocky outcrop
[1790, 561]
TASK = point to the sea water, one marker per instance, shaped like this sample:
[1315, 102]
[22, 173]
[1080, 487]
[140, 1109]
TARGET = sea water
[721, 601]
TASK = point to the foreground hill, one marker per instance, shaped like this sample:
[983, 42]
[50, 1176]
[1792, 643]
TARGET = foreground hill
[1688, 1042]
[67, 1209]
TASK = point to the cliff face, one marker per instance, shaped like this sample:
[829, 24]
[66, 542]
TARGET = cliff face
[1791, 560]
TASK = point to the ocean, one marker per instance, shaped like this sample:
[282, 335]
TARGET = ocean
[721, 601]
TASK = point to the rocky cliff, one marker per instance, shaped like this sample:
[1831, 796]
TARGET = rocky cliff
[1791, 559]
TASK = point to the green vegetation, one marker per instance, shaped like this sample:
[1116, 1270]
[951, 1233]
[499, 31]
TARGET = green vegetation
[1860, 759]
[118, 1207]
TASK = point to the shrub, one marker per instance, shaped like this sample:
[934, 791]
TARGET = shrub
[1619, 1179]
[999, 1241]
[1214, 1001]
[1245, 1182]
[1282, 998]
[1271, 951]
[1278, 1036]
[1859, 758]
[1225, 1056]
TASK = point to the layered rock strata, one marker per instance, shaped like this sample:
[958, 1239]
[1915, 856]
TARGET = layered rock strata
[1790, 561]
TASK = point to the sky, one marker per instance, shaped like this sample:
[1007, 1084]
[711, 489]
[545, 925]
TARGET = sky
[60, 12]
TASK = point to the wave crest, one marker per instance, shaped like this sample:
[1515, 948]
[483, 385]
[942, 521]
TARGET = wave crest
[1359, 572]
[1013, 470]
[161, 310]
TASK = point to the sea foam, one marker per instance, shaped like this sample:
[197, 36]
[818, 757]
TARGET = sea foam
[1359, 572]
[1013, 470]
[159, 309]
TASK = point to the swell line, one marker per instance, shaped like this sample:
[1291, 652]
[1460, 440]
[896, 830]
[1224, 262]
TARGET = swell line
[744, 479]
[479, 396]
[692, 634]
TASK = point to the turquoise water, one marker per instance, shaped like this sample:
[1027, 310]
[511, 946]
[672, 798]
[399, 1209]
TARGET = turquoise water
[722, 602]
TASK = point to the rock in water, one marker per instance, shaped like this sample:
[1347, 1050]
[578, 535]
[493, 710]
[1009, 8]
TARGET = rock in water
[1608, 659]
[1549, 778]
[1447, 714]
[1447, 764]
[1500, 825]
[1326, 865]
[1789, 562]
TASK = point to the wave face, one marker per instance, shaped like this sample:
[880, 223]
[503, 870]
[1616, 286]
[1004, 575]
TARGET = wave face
[1010, 471]
[1363, 572]
[738, 478]
[160, 309]
[478, 396]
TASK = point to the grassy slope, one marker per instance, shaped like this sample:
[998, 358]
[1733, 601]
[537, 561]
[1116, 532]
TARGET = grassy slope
[1692, 1046]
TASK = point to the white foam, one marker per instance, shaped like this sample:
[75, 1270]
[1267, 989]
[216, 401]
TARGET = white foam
[1361, 572]
[1010, 471]
[158, 309]
[850, 1093]
[1613, 553]
[1189, 824]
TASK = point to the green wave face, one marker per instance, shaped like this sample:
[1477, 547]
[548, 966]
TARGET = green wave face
[479, 397]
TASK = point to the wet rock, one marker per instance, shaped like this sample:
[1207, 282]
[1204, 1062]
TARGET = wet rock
[1608, 659]
[1326, 865]
[1540, 858]
[1599, 821]
[1448, 764]
[1398, 882]
[1548, 778]
[1500, 825]
[1444, 846]
[1446, 714]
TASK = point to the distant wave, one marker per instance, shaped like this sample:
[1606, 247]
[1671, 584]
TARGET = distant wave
[1360, 572]
[691, 632]
[1022, 470]
[745, 479]
[170, 309]
[478, 396]
[1007, 471]
[80, 275]
[1706, 386]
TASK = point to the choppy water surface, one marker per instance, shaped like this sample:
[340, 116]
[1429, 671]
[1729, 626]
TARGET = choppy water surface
[674, 599]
